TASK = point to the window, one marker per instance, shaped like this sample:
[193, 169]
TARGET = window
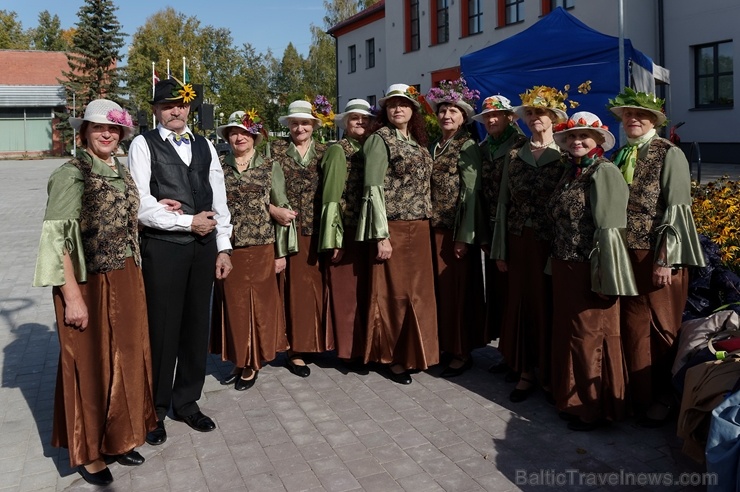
[441, 22]
[474, 17]
[412, 25]
[566, 4]
[713, 78]
[352, 55]
[510, 12]
[371, 100]
[370, 53]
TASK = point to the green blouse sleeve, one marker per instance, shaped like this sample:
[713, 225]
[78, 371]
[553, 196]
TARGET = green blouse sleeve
[470, 171]
[286, 237]
[611, 270]
[373, 222]
[677, 227]
[60, 231]
[334, 167]
[498, 242]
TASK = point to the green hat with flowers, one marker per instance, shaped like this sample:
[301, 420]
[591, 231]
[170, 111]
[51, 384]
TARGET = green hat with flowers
[629, 98]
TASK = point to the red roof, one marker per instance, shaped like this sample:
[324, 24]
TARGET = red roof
[26, 67]
[370, 14]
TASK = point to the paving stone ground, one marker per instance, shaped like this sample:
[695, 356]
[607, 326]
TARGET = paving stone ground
[335, 430]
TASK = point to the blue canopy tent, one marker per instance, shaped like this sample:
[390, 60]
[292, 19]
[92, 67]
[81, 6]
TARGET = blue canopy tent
[558, 50]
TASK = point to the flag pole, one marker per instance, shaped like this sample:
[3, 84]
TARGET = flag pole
[184, 71]
[168, 68]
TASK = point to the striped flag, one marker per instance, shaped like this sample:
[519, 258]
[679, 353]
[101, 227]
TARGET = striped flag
[155, 78]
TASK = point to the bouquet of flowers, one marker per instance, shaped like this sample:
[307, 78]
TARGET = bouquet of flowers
[322, 110]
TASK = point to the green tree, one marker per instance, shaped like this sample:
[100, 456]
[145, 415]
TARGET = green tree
[47, 36]
[288, 77]
[12, 36]
[92, 59]
[339, 10]
[248, 87]
[321, 68]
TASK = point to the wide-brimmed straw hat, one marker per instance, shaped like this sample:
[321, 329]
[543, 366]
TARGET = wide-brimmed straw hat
[399, 90]
[353, 106]
[495, 103]
[248, 121]
[544, 97]
[583, 120]
[302, 110]
[107, 112]
[630, 98]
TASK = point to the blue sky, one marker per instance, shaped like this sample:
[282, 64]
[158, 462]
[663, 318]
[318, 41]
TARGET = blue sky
[263, 23]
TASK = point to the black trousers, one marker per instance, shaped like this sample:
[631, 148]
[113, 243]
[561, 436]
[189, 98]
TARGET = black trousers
[179, 281]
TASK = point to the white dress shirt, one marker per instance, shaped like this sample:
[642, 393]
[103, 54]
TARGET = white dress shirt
[154, 214]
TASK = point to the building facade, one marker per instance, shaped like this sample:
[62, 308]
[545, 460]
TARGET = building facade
[420, 42]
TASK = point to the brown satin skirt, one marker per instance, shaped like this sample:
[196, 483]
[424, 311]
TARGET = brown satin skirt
[248, 319]
[103, 403]
[402, 314]
[526, 331]
[347, 295]
[460, 296]
[650, 323]
[496, 286]
[302, 288]
[588, 372]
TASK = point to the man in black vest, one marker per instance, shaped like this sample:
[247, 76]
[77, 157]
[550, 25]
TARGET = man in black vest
[183, 251]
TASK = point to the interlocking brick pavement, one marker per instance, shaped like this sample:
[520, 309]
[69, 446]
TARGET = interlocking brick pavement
[335, 430]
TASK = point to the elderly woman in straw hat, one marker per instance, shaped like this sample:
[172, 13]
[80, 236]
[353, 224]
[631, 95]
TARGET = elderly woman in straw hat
[590, 270]
[662, 240]
[89, 253]
[457, 260]
[343, 170]
[397, 206]
[248, 317]
[499, 120]
[522, 236]
[303, 291]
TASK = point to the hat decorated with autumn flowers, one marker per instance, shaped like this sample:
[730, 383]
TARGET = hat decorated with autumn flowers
[106, 112]
[544, 97]
[400, 90]
[246, 120]
[172, 90]
[302, 110]
[629, 98]
[454, 92]
[583, 120]
[494, 103]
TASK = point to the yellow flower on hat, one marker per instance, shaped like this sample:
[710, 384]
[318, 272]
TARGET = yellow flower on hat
[187, 93]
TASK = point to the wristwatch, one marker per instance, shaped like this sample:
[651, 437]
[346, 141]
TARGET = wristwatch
[662, 263]
[226, 251]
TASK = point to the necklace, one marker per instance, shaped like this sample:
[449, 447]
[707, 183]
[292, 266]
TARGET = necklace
[245, 160]
[539, 146]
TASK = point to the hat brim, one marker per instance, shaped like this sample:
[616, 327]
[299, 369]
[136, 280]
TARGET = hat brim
[660, 117]
[561, 136]
[469, 111]
[126, 131]
[283, 120]
[220, 132]
[341, 119]
[481, 117]
[383, 100]
[561, 115]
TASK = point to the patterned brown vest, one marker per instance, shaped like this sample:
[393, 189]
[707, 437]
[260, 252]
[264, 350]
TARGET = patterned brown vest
[351, 200]
[491, 172]
[531, 188]
[446, 183]
[248, 198]
[108, 220]
[302, 185]
[646, 204]
[570, 209]
[407, 181]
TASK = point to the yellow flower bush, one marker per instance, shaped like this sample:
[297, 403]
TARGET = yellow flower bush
[715, 207]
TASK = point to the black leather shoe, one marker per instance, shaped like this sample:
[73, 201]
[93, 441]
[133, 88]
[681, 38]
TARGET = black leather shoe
[400, 378]
[451, 372]
[300, 371]
[519, 395]
[230, 379]
[245, 384]
[101, 478]
[198, 421]
[132, 458]
[157, 436]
